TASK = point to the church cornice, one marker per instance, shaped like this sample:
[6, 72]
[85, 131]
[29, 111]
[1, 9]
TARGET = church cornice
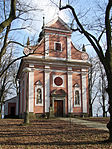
[59, 62]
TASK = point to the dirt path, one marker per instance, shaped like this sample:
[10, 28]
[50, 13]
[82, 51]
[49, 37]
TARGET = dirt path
[89, 124]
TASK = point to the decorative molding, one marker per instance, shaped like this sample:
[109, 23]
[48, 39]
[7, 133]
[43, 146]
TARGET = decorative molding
[58, 30]
[25, 84]
[31, 91]
[47, 89]
[31, 65]
[53, 70]
[84, 97]
[58, 58]
[77, 88]
[70, 97]
[55, 76]
[84, 56]
[38, 82]
[56, 34]
[69, 48]
[46, 45]
[36, 87]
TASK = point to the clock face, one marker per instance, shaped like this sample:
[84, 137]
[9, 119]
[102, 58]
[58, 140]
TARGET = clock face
[58, 81]
[26, 51]
[84, 56]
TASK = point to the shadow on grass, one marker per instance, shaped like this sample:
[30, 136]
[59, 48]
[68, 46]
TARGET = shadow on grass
[57, 143]
[49, 132]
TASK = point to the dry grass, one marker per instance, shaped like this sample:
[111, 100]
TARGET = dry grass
[50, 134]
[103, 120]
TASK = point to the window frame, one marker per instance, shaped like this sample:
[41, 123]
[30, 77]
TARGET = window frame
[36, 88]
[77, 89]
[62, 77]
[55, 46]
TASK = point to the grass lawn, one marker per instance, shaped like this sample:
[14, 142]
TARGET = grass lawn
[50, 134]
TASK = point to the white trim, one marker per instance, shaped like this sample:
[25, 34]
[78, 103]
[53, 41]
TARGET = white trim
[56, 29]
[36, 56]
[31, 91]
[46, 45]
[3, 111]
[70, 97]
[55, 76]
[55, 46]
[36, 87]
[84, 97]
[25, 83]
[56, 34]
[77, 89]
[52, 70]
[47, 91]
[31, 65]
[55, 58]
[69, 48]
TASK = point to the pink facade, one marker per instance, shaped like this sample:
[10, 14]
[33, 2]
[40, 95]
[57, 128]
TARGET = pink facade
[57, 83]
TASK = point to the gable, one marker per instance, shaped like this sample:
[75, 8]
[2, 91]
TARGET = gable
[58, 23]
[75, 54]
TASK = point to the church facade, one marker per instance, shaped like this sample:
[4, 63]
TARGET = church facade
[57, 81]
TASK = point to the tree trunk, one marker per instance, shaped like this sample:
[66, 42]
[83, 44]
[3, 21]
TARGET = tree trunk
[90, 110]
[104, 112]
[109, 125]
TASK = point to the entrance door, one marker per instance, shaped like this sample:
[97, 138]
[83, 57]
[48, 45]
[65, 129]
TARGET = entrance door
[58, 108]
[12, 111]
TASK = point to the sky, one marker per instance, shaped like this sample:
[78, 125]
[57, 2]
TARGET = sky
[50, 11]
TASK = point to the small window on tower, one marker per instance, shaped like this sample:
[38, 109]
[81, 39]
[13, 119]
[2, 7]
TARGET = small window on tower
[58, 46]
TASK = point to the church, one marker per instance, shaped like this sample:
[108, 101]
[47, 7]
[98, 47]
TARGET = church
[56, 80]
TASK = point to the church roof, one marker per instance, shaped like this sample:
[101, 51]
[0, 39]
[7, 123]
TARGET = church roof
[58, 23]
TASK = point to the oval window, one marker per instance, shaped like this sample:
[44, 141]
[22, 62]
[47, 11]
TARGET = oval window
[58, 81]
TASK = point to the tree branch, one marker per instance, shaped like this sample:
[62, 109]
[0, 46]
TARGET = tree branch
[3, 50]
[90, 37]
[108, 29]
[12, 16]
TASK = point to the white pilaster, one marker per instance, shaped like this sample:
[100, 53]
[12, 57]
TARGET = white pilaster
[25, 83]
[31, 91]
[46, 45]
[21, 98]
[84, 97]
[2, 111]
[47, 89]
[69, 48]
[17, 99]
[70, 97]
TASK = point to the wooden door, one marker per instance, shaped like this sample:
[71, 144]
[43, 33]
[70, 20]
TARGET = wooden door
[58, 108]
[12, 111]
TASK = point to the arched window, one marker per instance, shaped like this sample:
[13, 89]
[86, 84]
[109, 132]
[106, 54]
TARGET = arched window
[39, 96]
[77, 100]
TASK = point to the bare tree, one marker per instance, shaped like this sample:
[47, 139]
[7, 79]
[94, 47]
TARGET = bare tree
[7, 83]
[93, 92]
[103, 98]
[105, 58]
[16, 17]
